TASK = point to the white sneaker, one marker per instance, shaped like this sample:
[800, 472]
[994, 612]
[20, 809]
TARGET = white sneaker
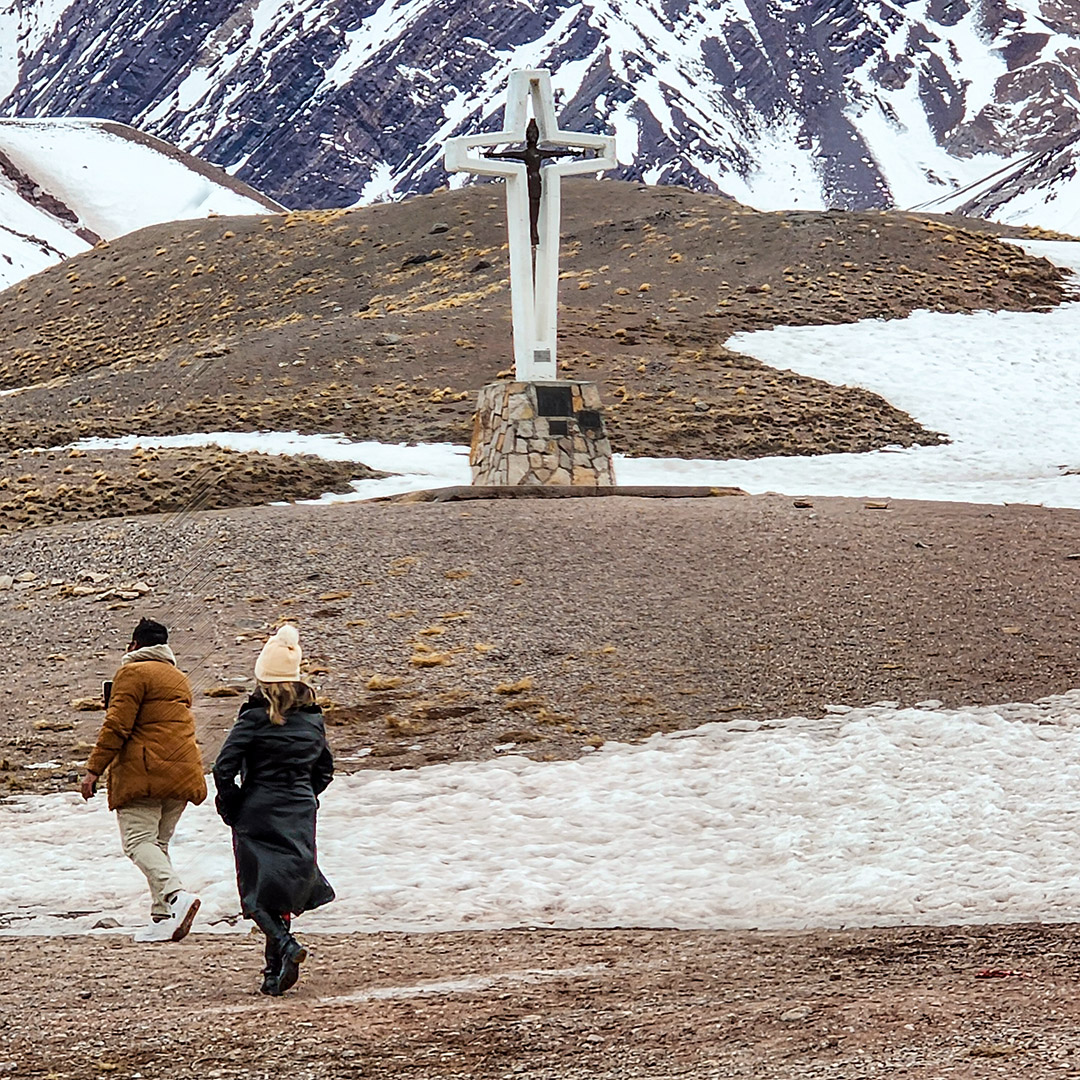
[184, 907]
[162, 930]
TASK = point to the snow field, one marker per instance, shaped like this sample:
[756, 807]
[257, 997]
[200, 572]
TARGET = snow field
[870, 816]
[115, 184]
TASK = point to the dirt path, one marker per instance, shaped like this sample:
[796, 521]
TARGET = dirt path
[620, 1004]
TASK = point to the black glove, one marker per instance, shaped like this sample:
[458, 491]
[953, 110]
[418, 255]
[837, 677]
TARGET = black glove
[226, 810]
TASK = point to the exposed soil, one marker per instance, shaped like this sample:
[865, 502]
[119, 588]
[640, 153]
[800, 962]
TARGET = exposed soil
[383, 322]
[615, 1005]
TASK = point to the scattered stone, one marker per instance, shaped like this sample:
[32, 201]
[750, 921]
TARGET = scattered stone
[107, 922]
[421, 258]
[224, 691]
[801, 1012]
[440, 227]
[386, 340]
[55, 725]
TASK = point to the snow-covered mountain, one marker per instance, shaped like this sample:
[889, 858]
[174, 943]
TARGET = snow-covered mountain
[845, 103]
[65, 185]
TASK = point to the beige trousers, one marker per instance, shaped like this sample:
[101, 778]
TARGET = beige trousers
[146, 827]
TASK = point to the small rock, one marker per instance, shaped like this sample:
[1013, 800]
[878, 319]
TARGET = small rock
[6, 581]
[440, 227]
[26, 575]
[106, 922]
[224, 691]
[387, 339]
[55, 725]
[799, 1013]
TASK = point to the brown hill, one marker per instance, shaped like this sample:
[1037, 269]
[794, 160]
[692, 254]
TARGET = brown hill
[383, 322]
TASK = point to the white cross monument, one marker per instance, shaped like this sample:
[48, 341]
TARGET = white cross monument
[533, 231]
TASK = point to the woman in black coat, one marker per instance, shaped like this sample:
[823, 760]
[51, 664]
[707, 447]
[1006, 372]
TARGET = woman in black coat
[278, 749]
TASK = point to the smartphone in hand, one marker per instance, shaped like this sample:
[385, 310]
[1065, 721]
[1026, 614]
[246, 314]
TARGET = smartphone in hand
[106, 691]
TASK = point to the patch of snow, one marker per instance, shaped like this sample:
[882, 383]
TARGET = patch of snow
[418, 467]
[877, 816]
[379, 187]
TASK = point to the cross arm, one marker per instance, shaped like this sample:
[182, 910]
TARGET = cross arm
[458, 155]
[603, 145]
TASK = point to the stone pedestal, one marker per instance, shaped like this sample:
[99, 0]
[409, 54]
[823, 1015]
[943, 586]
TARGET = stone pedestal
[540, 433]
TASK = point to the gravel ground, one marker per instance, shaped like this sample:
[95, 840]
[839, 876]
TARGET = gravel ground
[613, 1005]
[48, 487]
[441, 631]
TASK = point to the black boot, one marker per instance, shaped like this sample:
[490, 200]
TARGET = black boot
[289, 950]
[277, 937]
[292, 956]
[271, 969]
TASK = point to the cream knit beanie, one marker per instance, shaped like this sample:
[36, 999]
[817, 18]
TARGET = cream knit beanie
[279, 660]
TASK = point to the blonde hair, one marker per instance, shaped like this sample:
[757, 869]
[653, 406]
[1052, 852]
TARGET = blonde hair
[283, 697]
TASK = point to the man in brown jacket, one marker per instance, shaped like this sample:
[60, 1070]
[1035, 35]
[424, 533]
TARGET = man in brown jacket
[155, 769]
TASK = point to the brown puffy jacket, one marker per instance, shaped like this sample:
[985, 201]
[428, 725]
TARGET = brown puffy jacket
[148, 739]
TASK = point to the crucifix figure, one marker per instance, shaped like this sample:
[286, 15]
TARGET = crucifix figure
[533, 202]
[533, 157]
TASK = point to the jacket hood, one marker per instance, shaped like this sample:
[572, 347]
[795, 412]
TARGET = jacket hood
[150, 652]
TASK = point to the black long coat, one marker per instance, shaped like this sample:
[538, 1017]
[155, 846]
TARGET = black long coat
[282, 768]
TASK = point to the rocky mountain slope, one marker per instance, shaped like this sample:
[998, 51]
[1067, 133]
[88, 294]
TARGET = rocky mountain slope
[1044, 186]
[833, 103]
[66, 185]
